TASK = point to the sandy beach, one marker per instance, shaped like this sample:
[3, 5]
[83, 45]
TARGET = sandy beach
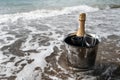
[34, 49]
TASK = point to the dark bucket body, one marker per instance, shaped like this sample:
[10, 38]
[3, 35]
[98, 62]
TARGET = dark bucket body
[82, 58]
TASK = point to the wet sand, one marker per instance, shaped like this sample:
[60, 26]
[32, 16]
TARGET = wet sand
[24, 54]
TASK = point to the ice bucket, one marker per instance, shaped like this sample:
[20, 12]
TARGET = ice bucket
[82, 58]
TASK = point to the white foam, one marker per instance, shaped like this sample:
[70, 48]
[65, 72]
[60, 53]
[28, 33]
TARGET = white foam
[45, 13]
[54, 78]
[1, 56]
[43, 51]
[28, 73]
[39, 61]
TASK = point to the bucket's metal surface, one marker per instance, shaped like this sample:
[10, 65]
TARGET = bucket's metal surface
[82, 58]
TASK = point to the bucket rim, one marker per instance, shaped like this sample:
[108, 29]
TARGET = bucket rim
[92, 35]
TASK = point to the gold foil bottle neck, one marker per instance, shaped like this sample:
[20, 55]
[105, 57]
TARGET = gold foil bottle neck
[81, 29]
[82, 16]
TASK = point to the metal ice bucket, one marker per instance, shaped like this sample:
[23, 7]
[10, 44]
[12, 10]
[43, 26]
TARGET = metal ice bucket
[82, 58]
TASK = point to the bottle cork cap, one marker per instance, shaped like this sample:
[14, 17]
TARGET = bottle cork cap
[82, 16]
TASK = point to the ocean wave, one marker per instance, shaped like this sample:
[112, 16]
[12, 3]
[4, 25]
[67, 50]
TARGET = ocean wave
[45, 13]
[106, 6]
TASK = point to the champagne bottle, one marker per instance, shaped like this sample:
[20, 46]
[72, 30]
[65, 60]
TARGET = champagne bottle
[78, 38]
[81, 29]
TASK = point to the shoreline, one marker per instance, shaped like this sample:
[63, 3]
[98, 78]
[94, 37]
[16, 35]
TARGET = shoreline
[41, 50]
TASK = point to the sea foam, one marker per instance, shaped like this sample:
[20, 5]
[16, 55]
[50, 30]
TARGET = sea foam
[45, 13]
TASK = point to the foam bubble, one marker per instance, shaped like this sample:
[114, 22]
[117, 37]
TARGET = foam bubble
[45, 13]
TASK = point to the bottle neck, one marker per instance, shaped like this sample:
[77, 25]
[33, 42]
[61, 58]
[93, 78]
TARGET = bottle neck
[81, 29]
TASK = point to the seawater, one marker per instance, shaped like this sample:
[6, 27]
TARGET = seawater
[36, 28]
[17, 6]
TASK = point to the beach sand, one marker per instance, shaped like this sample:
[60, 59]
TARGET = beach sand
[40, 53]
